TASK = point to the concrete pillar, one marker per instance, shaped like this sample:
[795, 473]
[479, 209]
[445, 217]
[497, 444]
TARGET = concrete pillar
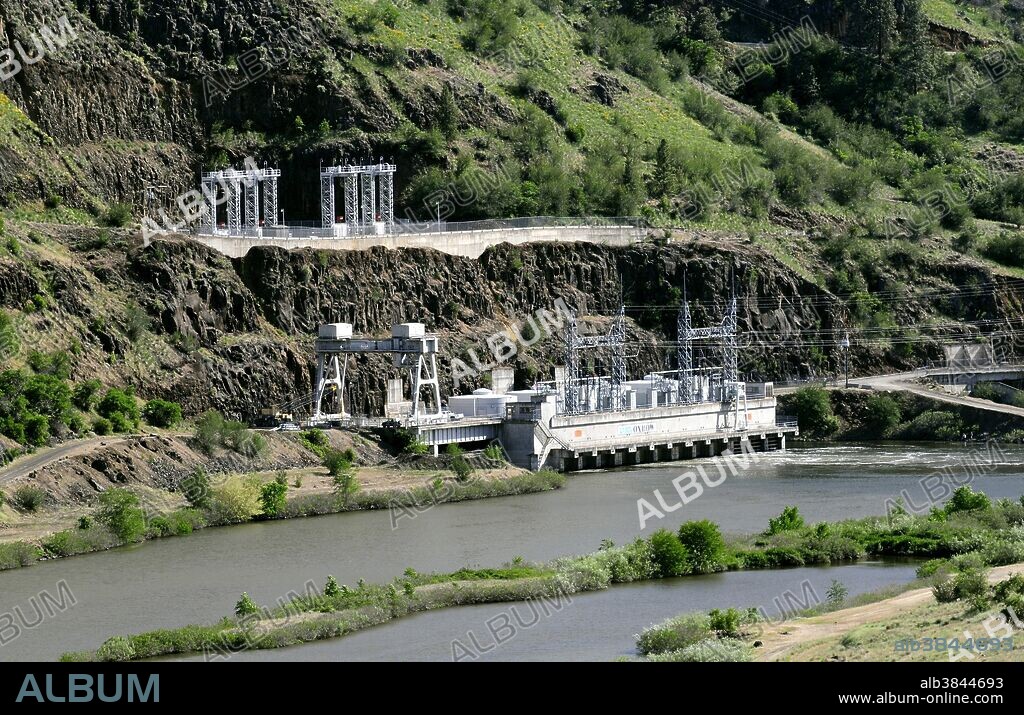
[436, 452]
[782, 443]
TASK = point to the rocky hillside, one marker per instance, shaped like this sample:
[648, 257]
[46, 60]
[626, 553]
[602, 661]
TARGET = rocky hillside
[861, 175]
[177, 320]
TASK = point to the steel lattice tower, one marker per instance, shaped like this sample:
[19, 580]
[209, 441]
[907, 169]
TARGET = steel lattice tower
[252, 203]
[367, 180]
[617, 339]
[730, 349]
[270, 201]
[387, 195]
[352, 199]
[572, 400]
[209, 191]
[235, 206]
[684, 352]
[571, 386]
[326, 199]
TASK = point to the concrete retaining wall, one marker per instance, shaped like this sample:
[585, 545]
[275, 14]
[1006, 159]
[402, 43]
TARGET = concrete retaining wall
[458, 243]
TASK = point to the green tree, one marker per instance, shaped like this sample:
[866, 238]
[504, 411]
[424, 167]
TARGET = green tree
[704, 545]
[272, 497]
[966, 499]
[915, 56]
[119, 511]
[48, 395]
[84, 394]
[119, 402]
[877, 26]
[245, 605]
[669, 554]
[788, 520]
[814, 412]
[883, 415]
[448, 113]
[332, 589]
[161, 413]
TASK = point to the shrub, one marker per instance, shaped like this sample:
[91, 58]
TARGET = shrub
[704, 545]
[120, 423]
[118, 215]
[213, 431]
[119, 511]
[966, 499]
[673, 634]
[161, 413]
[634, 562]
[494, 452]
[883, 415]
[119, 402]
[933, 425]
[207, 434]
[788, 520]
[814, 412]
[964, 585]
[17, 553]
[185, 521]
[315, 440]
[331, 589]
[336, 462]
[669, 554]
[236, 500]
[1007, 249]
[245, 605]
[117, 649]
[837, 593]
[28, 497]
[709, 650]
[461, 468]
[196, 488]
[272, 497]
[160, 526]
[101, 426]
[724, 623]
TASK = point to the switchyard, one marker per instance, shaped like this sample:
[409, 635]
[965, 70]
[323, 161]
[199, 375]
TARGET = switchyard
[576, 421]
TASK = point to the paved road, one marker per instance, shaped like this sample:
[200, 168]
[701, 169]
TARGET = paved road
[905, 381]
[26, 465]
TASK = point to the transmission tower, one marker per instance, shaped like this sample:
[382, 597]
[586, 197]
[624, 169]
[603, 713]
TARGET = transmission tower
[572, 398]
[684, 350]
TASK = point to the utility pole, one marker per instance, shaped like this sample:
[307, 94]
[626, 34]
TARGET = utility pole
[845, 345]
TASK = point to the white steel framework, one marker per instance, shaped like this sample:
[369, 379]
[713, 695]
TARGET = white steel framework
[416, 355]
[369, 196]
[576, 389]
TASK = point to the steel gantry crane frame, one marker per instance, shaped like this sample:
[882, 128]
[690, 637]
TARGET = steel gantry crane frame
[369, 196]
[414, 353]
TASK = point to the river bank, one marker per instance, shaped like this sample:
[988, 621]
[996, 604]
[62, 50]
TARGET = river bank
[404, 493]
[879, 631]
[168, 582]
[968, 523]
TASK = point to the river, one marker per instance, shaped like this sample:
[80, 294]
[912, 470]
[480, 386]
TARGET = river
[198, 578]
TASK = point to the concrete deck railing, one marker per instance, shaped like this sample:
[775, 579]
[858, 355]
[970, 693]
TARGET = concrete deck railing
[467, 242]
